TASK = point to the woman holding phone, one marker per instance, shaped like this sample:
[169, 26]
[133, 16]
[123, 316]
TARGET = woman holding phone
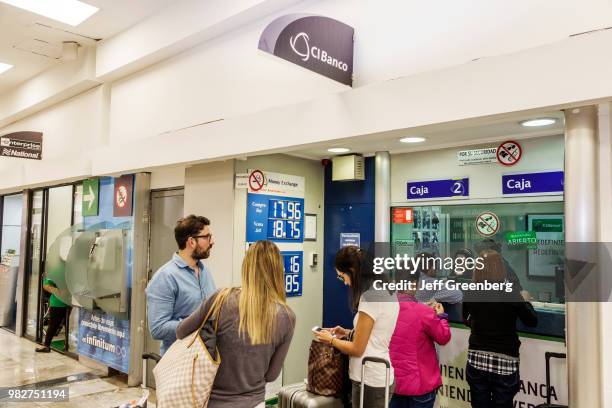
[374, 323]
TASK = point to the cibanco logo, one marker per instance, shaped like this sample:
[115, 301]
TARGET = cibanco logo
[300, 44]
[305, 55]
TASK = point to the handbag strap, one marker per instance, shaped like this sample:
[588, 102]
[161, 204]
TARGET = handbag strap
[213, 311]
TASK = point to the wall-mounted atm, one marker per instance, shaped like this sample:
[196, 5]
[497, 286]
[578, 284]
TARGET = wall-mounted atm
[96, 272]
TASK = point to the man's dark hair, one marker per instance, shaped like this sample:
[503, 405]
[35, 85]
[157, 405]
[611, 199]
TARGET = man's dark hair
[189, 226]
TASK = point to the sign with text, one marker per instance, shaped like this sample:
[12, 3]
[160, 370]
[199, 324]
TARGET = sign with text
[550, 250]
[403, 216]
[350, 239]
[550, 182]
[455, 390]
[477, 156]
[522, 238]
[23, 145]
[447, 188]
[104, 338]
[317, 43]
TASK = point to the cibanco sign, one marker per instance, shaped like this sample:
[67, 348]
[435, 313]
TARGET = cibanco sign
[320, 44]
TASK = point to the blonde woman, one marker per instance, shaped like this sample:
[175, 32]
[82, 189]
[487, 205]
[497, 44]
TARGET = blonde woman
[254, 330]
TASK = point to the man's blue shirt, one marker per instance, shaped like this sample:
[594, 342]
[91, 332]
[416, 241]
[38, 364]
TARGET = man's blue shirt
[172, 294]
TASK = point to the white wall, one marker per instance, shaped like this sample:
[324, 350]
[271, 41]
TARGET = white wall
[71, 131]
[227, 76]
[167, 177]
[308, 307]
[209, 191]
[541, 154]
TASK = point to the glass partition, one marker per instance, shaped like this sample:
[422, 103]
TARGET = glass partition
[10, 245]
[33, 285]
[530, 237]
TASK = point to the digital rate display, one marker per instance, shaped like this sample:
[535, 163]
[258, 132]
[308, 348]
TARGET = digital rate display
[285, 220]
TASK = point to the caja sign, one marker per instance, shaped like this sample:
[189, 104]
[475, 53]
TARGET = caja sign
[320, 44]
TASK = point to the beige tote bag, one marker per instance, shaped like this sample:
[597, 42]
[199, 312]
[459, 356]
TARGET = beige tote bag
[184, 376]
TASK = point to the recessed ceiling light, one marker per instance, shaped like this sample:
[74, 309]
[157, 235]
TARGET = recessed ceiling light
[338, 150]
[538, 122]
[72, 12]
[5, 67]
[412, 139]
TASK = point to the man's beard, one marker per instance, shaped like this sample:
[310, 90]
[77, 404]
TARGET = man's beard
[200, 254]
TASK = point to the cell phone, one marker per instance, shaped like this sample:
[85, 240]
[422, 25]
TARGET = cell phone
[317, 329]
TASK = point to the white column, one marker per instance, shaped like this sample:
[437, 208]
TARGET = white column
[582, 225]
[605, 236]
[382, 197]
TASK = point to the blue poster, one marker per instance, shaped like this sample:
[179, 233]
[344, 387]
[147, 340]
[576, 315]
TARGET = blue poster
[293, 261]
[438, 188]
[104, 338]
[530, 183]
[275, 218]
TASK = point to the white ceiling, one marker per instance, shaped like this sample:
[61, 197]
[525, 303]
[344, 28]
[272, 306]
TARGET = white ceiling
[20, 29]
[440, 136]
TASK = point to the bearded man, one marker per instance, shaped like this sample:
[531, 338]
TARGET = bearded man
[181, 285]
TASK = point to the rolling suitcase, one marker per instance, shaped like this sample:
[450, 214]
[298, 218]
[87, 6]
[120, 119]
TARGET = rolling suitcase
[547, 356]
[296, 396]
[387, 380]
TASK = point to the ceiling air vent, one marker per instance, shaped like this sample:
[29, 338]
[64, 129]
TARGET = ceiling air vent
[348, 168]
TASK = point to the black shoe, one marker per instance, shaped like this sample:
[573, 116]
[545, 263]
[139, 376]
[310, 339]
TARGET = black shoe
[43, 349]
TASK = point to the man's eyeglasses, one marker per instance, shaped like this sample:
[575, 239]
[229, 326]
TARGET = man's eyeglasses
[207, 236]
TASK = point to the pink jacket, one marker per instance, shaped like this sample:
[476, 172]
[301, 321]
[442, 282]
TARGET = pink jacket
[412, 350]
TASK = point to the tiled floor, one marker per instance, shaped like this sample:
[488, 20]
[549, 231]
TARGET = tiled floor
[21, 366]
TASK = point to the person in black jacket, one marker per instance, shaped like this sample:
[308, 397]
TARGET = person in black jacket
[493, 356]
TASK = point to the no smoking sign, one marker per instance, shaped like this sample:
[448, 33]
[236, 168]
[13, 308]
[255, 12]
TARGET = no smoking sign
[487, 224]
[257, 180]
[509, 153]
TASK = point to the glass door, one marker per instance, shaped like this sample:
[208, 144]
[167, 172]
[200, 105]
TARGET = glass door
[34, 266]
[10, 245]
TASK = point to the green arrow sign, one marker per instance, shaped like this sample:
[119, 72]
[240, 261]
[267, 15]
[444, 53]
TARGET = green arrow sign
[91, 191]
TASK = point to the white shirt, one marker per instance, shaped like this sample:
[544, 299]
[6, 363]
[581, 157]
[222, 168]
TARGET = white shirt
[384, 315]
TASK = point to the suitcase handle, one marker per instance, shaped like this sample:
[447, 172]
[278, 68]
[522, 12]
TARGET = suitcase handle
[377, 360]
[548, 355]
[147, 356]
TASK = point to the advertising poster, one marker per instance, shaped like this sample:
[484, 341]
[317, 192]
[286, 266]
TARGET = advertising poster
[104, 338]
[550, 245]
[455, 391]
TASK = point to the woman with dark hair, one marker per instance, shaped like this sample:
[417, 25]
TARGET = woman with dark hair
[374, 324]
[493, 355]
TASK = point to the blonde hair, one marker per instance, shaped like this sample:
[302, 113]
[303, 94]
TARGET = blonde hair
[493, 269]
[263, 289]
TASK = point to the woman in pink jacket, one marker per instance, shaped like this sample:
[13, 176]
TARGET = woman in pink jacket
[412, 350]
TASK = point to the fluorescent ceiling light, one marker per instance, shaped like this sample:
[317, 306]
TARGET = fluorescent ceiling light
[538, 122]
[5, 67]
[338, 150]
[412, 139]
[72, 12]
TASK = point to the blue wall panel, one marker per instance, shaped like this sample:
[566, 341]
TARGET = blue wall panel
[349, 207]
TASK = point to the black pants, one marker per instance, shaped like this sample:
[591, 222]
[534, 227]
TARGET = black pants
[57, 315]
[490, 390]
